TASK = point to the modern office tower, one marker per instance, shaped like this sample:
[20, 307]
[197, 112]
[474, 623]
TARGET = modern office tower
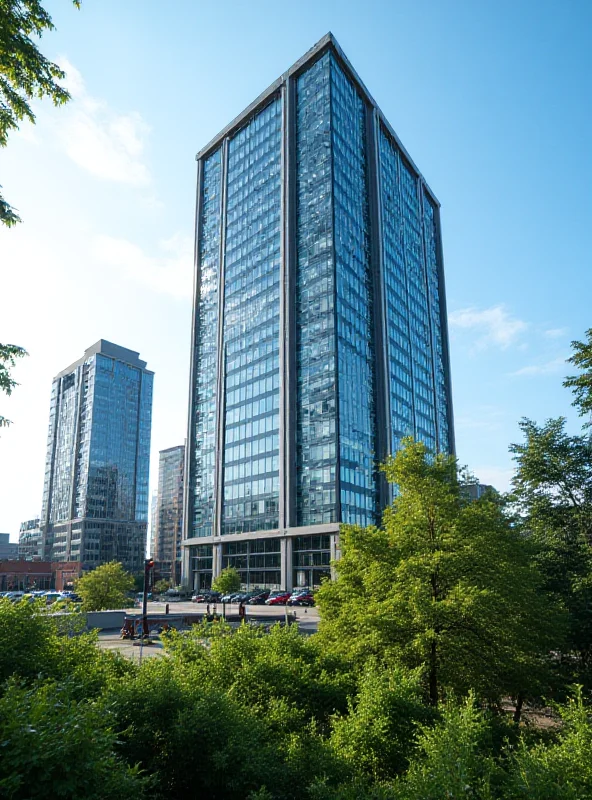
[95, 494]
[319, 329]
[30, 544]
[169, 514]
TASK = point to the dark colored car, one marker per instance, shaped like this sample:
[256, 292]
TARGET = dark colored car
[302, 599]
[259, 598]
[278, 599]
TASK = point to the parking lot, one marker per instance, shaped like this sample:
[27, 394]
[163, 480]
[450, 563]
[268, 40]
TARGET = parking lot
[307, 620]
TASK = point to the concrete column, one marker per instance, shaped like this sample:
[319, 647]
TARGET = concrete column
[186, 575]
[335, 552]
[216, 560]
[286, 564]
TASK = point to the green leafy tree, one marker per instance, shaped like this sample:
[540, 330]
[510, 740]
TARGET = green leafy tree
[161, 586]
[55, 746]
[581, 384]
[35, 644]
[452, 760]
[552, 492]
[196, 740]
[560, 769]
[25, 73]
[227, 581]
[105, 587]
[446, 585]
[8, 356]
[286, 679]
[377, 735]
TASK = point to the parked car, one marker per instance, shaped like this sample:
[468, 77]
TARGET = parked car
[278, 598]
[15, 597]
[72, 597]
[52, 597]
[259, 598]
[205, 596]
[305, 598]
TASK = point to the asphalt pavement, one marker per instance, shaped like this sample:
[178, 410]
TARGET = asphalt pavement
[307, 619]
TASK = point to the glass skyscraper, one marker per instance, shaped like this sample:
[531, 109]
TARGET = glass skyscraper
[168, 519]
[319, 328]
[95, 493]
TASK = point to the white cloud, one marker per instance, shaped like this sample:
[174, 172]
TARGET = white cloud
[555, 333]
[168, 273]
[552, 367]
[493, 326]
[108, 145]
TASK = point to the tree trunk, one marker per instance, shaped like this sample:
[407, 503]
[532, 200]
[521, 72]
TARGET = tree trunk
[518, 709]
[433, 675]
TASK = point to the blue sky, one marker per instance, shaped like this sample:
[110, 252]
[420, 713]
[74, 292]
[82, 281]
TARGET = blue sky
[492, 100]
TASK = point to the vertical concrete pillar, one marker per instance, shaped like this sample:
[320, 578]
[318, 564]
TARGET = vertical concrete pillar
[286, 564]
[216, 560]
[335, 552]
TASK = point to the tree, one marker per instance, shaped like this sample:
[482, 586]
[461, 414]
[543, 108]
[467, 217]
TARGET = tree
[227, 581]
[161, 586]
[25, 73]
[446, 585]
[552, 493]
[57, 746]
[8, 356]
[36, 644]
[582, 384]
[105, 587]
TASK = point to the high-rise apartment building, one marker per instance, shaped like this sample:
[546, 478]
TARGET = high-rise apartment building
[95, 494]
[319, 329]
[30, 544]
[169, 514]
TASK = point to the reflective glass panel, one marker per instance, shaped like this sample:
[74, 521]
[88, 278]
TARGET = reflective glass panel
[251, 325]
[355, 351]
[206, 359]
[315, 301]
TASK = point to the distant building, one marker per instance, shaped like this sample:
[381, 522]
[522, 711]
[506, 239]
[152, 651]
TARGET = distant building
[477, 490]
[8, 549]
[95, 494]
[31, 545]
[30, 575]
[320, 330]
[169, 514]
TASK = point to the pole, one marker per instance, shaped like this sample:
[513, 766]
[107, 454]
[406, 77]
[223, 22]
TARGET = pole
[148, 564]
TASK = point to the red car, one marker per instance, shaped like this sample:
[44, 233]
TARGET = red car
[278, 598]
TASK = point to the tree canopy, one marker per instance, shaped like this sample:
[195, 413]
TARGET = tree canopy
[446, 585]
[581, 384]
[25, 73]
[105, 587]
[227, 581]
[8, 356]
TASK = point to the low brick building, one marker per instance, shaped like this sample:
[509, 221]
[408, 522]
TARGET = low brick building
[30, 575]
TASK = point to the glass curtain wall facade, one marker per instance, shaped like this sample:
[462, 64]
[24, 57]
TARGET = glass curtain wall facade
[95, 497]
[320, 336]
[169, 514]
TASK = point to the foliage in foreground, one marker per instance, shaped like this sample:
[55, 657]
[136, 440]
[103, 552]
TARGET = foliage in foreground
[25, 73]
[232, 715]
[8, 356]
